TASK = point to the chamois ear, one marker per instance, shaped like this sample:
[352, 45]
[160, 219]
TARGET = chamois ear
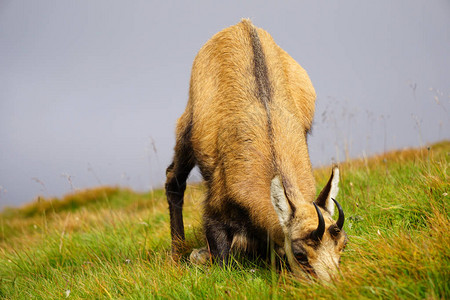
[329, 192]
[283, 207]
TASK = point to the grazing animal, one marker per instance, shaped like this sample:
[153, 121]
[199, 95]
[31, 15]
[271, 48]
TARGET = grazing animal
[246, 122]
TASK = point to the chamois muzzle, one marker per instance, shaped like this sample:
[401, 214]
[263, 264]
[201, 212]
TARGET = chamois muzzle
[341, 218]
[318, 233]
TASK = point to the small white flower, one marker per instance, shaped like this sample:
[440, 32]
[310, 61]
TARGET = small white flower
[378, 232]
[444, 194]
[67, 293]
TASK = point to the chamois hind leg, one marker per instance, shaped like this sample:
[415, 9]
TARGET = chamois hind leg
[177, 174]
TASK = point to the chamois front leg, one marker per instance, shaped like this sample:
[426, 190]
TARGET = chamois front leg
[177, 174]
[219, 238]
[175, 194]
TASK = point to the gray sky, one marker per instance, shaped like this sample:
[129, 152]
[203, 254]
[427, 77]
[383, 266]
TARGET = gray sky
[89, 89]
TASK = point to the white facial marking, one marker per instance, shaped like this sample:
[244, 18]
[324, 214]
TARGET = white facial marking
[327, 264]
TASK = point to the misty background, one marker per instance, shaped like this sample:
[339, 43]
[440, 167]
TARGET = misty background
[90, 91]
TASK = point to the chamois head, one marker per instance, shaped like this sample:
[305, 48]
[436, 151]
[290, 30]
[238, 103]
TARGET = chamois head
[313, 241]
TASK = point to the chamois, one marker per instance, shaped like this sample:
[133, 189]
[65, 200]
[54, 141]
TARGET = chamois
[246, 122]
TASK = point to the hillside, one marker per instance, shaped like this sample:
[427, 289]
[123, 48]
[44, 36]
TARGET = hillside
[114, 243]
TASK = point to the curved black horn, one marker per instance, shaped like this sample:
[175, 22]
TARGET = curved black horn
[340, 221]
[318, 233]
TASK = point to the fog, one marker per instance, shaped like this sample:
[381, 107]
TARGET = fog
[90, 90]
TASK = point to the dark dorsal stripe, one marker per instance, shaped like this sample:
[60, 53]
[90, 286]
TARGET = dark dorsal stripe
[264, 92]
[263, 85]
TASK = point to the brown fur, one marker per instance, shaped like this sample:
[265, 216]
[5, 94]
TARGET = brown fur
[234, 142]
[249, 110]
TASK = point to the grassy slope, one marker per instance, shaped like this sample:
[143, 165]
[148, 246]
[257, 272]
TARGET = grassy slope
[111, 243]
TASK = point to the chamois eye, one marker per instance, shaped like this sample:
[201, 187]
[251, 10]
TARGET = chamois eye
[334, 230]
[301, 258]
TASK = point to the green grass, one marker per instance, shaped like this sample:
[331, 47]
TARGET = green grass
[114, 243]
